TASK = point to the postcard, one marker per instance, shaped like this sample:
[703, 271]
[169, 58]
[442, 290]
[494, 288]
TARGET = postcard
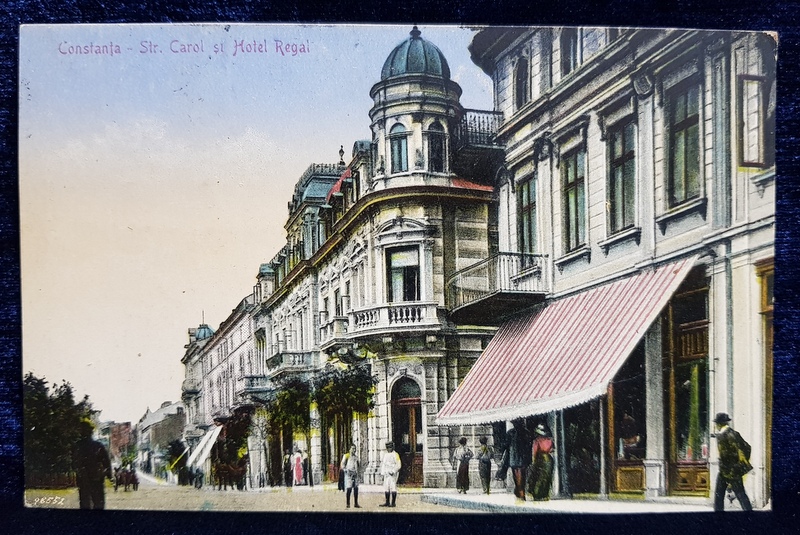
[400, 269]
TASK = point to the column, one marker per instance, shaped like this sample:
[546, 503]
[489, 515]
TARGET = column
[655, 468]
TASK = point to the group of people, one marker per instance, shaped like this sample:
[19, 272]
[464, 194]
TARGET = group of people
[534, 477]
[296, 469]
[350, 473]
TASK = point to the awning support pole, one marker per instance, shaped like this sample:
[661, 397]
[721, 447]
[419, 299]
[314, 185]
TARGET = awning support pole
[602, 425]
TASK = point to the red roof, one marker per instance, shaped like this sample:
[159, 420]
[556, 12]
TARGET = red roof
[337, 186]
[468, 184]
[565, 352]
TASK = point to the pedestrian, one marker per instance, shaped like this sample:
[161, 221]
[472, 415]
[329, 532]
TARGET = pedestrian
[461, 458]
[351, 467]
[390, 468]
[298, 467]
[516, 457]
[287, 468]
[540, 474]
[734, 463]
[198, 478]
[485, 455]
[92, 467]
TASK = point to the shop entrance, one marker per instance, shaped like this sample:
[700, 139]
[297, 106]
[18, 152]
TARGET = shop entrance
[407, 430]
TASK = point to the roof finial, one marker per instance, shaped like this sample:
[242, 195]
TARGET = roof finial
[341, 154]
[415, 33]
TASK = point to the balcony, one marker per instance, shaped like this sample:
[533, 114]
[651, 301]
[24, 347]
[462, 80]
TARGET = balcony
[289, 361]
[474, 145]
[394, 317]
[190, 386]
[487, 292]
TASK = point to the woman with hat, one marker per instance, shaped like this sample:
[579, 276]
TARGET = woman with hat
[461, 458]
[540, 476]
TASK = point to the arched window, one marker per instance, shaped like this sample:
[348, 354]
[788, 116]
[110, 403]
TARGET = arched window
[436, 148]
[521, 92]
[399, 146]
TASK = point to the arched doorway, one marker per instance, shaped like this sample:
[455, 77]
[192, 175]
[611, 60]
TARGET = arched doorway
[407, 429]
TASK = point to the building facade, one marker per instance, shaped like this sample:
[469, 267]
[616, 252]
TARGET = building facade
[634, 157]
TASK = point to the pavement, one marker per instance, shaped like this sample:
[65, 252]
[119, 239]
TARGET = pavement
[504, 501]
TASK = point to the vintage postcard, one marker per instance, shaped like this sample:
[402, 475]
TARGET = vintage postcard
[403, 269]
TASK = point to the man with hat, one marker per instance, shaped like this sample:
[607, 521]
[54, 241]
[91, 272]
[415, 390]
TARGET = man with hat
[390, 468]
[734, 463]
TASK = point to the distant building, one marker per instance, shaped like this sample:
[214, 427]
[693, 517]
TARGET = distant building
[155, 431]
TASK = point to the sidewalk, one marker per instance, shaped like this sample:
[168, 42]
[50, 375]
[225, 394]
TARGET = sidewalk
[503, 501]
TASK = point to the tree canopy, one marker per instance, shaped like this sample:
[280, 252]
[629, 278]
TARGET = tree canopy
[51, 420]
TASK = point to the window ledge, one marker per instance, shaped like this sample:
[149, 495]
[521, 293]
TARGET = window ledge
[697, 205]
[577, 254]
[761, 180]
[623, 235]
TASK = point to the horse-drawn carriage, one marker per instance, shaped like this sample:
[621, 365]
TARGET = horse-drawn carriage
[125, 477]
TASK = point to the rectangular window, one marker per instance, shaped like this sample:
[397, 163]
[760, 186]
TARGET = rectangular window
[402, 274]
[752, 122]
[399, 146]
[684, 144]
[337, 302]
[573, 172]
[622, 176]
[526, 200]
[570, 50]
[436, 152]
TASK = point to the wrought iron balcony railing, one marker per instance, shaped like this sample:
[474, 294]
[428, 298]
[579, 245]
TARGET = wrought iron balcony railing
[503, 272]
[477, 128]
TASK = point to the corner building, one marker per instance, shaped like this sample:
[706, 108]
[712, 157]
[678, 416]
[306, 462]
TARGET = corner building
[638, 173]
[370, 247]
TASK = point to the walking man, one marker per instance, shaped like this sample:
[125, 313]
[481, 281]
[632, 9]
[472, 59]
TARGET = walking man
[734, 463]
[390, 468]
[92, 466]
[351, 467]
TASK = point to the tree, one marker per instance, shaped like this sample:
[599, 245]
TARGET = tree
[50, 418]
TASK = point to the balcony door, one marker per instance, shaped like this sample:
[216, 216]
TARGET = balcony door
[407, 430]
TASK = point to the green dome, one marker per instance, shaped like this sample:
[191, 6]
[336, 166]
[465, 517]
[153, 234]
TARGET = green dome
[415, 55]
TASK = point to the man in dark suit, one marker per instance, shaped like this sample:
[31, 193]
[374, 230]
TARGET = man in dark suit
[734, 463]
[92, 467]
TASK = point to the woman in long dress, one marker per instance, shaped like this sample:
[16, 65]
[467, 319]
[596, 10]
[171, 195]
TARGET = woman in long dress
[298, 468]
[541, 473]
[462, 456]
[485, 455]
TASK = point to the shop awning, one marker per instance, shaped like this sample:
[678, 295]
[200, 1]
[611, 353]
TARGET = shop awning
[203, 449]
[565, 352]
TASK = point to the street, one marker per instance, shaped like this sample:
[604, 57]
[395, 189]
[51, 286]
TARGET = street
[157, 495]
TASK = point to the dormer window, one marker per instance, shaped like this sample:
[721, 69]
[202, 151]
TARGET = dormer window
[436, 148]
[398, 140]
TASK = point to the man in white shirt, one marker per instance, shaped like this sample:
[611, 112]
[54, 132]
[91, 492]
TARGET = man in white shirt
[390, 468]
[351, 466]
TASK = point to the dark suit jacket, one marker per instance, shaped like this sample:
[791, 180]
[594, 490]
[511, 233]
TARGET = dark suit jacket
[730, 444]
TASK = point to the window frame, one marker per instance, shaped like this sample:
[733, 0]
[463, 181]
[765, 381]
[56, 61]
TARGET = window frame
[436, 134]
[615, 163]
[579, 186]
[406, 271]
[522, 89]
[398, 149]
[673, 127]
[570, 62]
[527, 238]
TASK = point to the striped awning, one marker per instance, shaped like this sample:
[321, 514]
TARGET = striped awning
[565, 352]
[203, 449]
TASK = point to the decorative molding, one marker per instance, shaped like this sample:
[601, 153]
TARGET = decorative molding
[698, 205]
[634, 233]
[581, 252]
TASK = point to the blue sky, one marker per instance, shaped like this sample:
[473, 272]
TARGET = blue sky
[152, 185]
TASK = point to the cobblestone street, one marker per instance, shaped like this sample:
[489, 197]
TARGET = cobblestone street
[156, 495]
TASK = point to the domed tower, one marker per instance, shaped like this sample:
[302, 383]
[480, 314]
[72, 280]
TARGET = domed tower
[415, 109]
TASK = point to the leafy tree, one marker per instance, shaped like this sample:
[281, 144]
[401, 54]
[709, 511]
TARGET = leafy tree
[51, 419]
[340, 392]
